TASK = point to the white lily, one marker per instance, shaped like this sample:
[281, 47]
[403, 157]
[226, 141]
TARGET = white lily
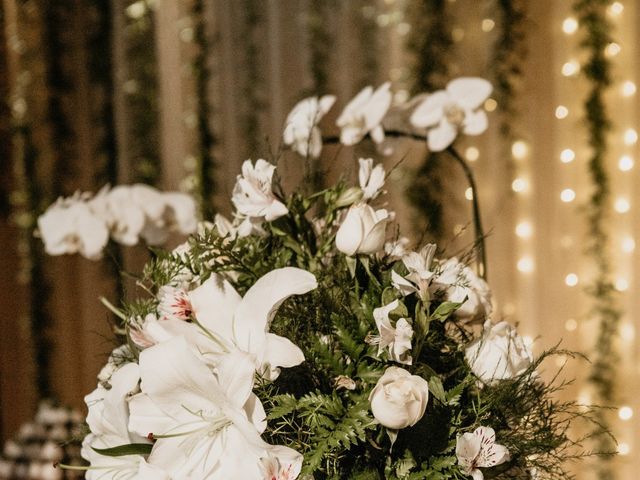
[371, 178]
[363, 115]
[108, 420]
[252, 194]
[69, 226]
[396, 338]
[301, 130]
[243, 322]
[207, 422]
[457, 108]
[479, 449]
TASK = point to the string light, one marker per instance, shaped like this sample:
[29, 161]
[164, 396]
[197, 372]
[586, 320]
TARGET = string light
[570, 68]
[487, 25]
[519, 149]
[615, 9]
[624, 448]
[468, 194]
[628, 244]
[519, 185]
[561, 112]
[571, 280]
[628, 88]
[472, 154]
[526, 264]
[490, 104]
[622, 284]
[571, 325]
[622, 205]
[627, 332]
[630, 136]
[567, 195]
[625, 413]
[625, 163]
[612, 49]
[524, 229]
[570, 25]
[567, 155]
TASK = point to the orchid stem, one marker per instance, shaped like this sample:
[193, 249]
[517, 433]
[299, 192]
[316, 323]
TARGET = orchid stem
[481, 258]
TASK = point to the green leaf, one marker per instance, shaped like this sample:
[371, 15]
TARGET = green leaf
[128, 449]
[437, 390]
[445, 310]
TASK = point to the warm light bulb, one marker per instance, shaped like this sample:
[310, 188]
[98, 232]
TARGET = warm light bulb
[625, 413]
[622, 284]
[468, 194]
[567, 195]
[630, 136]
[612, 49]
[628, 244]
[570, 25]
[570, 68]
[567, 155]
[625, 163]
[490, 105]
[622, 205]
[615, 9]
[519, 149]
[571, 325]
[561, 112]
[624, 448]
[628, 88]
[487, 25]
[524, 229]
[519, 185]
[472, 154]
[571, 280]
[526, 265]
[627, 332]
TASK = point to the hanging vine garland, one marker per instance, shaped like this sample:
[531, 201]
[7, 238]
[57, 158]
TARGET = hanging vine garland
[597, 69]
[430, 43]
[509, 54]
[205, 163]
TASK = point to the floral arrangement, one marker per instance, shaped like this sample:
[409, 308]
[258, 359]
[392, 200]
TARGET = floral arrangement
[84, 223]
[304, 339]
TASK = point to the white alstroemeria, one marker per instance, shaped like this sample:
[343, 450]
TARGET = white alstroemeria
[499, 354]
[272, 469]
[243, 322]
[396, 338]
[206, 422]
[420, 274]
[363, 230]
[249, 226]
[224, 226]
[69, 226]
[396, 248]
[253, 195]
[301, 130]
[479, 450]
[174, 303]
[108, 420]
[363, 115]
[462, 285]
[371, 178]
[457, 108]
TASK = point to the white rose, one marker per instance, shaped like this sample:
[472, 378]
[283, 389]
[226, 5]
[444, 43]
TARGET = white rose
[499, 354]
[399, 399]
[363, 230]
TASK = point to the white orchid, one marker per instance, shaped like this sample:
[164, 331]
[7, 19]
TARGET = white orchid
[207, 422]
[479, 450]
[364, 114]
[243, 322]
[371, 178]
[396, 338]
[457, 108]
[69, 226]
[124, 216]
[252, 194]
[363, 230]
[301, 130]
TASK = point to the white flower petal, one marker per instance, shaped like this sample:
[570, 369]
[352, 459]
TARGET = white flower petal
[280, 352]
[475, 123]
[441, 137]
[431, 110]
[469, 92]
